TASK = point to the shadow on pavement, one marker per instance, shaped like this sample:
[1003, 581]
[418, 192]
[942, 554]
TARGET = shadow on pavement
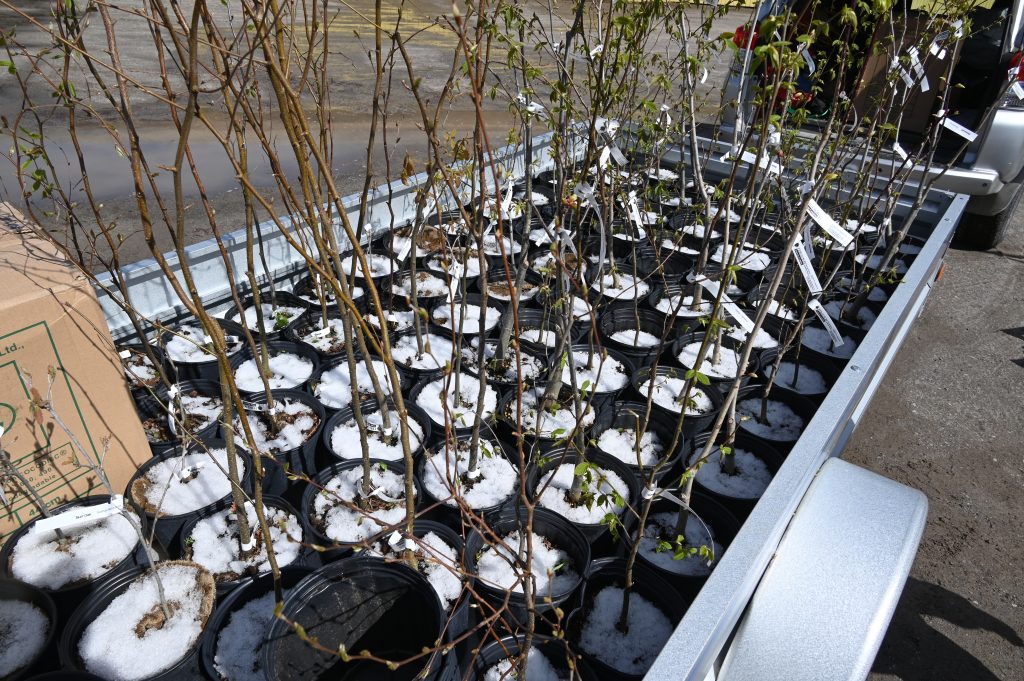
[914, 651]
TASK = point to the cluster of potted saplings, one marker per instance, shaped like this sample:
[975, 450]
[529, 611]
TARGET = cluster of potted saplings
[511, 439]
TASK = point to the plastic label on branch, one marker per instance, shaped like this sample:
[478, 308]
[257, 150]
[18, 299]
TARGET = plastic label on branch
[634, 210]
[831, 227]
[915, 63]
[826, 321]
[732, 308]
[84, 515]
[955, 127]
[808, 59]
[618, 156]
[900, 151]
[806, 267]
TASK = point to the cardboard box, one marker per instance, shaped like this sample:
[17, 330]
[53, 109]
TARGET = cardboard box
[50, 321]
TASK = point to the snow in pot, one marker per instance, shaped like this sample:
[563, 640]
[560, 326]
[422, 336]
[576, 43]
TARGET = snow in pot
[780, 422]
[186, 483]
[677, 247]
[311, 296]
[856, 227]
[86, 552]
[439, 401]
[493, 246]
[602, 492]
[214, 542]
[697, 230]
[509, 370]
[546, 337]
[462, 263]
[429, 239]
[446, 475]
[557, 421]
[240, 643]
[845, 284]
[395, 321]
[468, 321]
[722, 213]
[595, 373]
[380, 266]
[630, 653]
[865, 316]
[435, 559]
[546, 265]
[726, 367]
[581, 309]
[779, 309]
[328, 340]
[660, 545]
[296, 423]
[662, 175]
[538, 668]
[621, 443]
[427, 286]
[500, 289]
[275, 317]
[383, 445]
[200, 411]
[23, 632]
[896, 268]
[622, 286]
[668, 394]
[636, 338]
[762, 340]
[629, 232]
[682, 306]
[808, 382]
[552, 568]
[343, 514]
[286, 370]
[536, 198]
[139, 369]
[334, 388]
[750, 257]
[132, 639]
[190, 345]
[749, 481]
[434, 354]
[817, 338]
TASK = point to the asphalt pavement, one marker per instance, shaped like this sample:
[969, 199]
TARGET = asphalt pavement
[949, 420]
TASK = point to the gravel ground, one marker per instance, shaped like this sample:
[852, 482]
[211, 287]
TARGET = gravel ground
[953, 402]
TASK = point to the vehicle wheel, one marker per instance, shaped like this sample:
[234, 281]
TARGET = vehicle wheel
[982, 232]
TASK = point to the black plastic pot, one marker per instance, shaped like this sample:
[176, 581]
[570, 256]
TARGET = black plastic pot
[498, 288]
[628, 369]
[167, 528]
[840, 355]
[626, 319]
[340, 549]
[627, 414]
[299, 460]
[340, 363]
[660, 263]
[800, 405]
[554, 649]
[807, 360]
[361, 604]
[392, 297]
[681, 323]
[452, 515]
[729, 345]
[307, 323]
[792, 298]
[186, 669]
[724, 527]
[304, 290]
[207, 370]
[553, 527]
[369, 406]
[45, 659]
[307, 557]
[291, 575]
[280, 347]
[647, 584]
[544, 321]
[602, 542]
[508, 379]
[157, 407]
[692, 423]
[280, 299]
[866, 315]
[535, 445]
[417, 374]
[602, 302]
[71, 596]
[439, 429]
[65, 675]
[740, 506]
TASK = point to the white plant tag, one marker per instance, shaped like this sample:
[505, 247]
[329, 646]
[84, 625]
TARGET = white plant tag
[404, 253]
[896, 66]
[618, 156]
[634, 210]
[125, 354]
[1017, 89]
[173, 391]
[597, 50]
[397, 542]
[703, 74]
[258, 407]
[602, 160]
[955, 127]
[475, 473]
[190, 471]
[806, 267]
[79, 517]
[506, 202]
[900, 151]
[808, 59]
[915, 63]
[587, 192]
[831, 227]
[826, 321]
[732, 308]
